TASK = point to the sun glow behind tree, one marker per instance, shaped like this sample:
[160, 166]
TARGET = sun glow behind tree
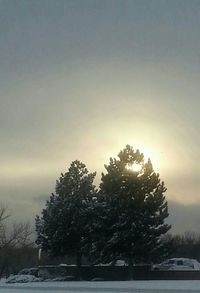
[135, 167]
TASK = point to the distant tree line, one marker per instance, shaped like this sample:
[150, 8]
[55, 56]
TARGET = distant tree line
[123, 219]
[184, 245]
[17, 247]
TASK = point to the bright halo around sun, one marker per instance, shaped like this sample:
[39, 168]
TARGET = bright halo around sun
[135, 167]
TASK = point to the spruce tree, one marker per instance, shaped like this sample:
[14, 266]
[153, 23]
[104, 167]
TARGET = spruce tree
[134, 196]
[63, 227]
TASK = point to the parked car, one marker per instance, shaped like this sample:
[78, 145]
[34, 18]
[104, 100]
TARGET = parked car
[178, 264]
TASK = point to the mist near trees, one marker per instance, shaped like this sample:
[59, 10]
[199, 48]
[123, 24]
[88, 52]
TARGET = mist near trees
[125, 218]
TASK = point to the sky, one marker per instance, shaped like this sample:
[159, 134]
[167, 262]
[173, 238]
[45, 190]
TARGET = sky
[82, 79]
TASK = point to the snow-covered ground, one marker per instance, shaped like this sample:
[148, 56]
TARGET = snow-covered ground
[100, 287]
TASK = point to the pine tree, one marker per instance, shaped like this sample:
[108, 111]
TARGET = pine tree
[63, 227]
[133, 194]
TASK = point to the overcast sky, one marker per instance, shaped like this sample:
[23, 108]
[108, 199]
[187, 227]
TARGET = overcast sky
[81, 79]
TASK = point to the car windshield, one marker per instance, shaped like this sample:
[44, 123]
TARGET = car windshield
[168, 262]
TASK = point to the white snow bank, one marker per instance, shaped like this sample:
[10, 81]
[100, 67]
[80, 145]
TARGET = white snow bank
[22, 279]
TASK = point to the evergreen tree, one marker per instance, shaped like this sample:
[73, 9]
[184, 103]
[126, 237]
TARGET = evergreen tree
[63, 227]
[133, 196]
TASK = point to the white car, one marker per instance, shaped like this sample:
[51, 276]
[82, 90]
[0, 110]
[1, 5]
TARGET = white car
[178, 264]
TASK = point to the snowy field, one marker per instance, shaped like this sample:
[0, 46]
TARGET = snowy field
[100, 287]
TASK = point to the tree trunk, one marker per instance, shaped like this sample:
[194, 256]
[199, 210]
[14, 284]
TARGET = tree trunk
[130, 265]
[79, 263]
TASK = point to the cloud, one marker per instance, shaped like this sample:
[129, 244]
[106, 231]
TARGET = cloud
[184, 217]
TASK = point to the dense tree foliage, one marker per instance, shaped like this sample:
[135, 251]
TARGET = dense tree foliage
[135, 210]
[63, 227]
[124, 220]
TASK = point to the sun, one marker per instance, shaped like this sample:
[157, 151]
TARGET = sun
[151, 153]
[135, 167]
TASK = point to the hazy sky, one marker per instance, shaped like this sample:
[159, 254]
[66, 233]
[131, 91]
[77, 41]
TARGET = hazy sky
[81, 79]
